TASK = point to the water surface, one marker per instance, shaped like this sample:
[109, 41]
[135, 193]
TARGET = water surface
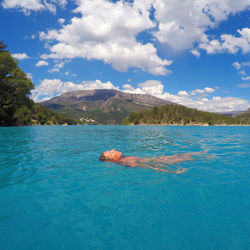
[56, 194]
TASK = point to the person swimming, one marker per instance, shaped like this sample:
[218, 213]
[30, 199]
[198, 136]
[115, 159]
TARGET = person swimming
[156, 163]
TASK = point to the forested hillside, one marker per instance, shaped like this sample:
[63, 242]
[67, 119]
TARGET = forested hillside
[245, 115]
[101, 106]
[181, 115]
[16, 108]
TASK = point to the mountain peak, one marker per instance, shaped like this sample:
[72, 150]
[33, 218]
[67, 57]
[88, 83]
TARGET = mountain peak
[102, 105]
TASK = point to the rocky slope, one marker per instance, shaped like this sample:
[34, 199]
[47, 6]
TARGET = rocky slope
[104, 106]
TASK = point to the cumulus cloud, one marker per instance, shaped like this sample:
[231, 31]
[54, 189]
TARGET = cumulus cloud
[20, 56]
[33, 5]
[42, 63]
[237, 65]
[97, 84]
[227, 43]
[182, 23]
[202, 98]
[58, 65]
[52, 87]
[195, 52]
[199, 98]
[182, 93]
[24, 5]
[107, 31]
[202, 91]
[62, 3]
[61, 21]
[49, 88]
[245, 78]
[241, 68]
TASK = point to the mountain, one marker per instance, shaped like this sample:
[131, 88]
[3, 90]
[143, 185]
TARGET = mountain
[101, 106]
[245, 115]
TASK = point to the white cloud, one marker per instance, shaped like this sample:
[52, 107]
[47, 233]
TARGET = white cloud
[195, 52]
[62, 3]
[244, 85]
[57, 67]
[24, 5]
[209, 90]
[61, 21]
[53, 87]
[107, 31]
[41, 63]
[241, 68]
[202, 91]
[182, 93]
[245, 78]
[182, 23]
[33, 5]
[152, 87]
[29, 75]
[237, 65]
[97, 84]
[59, 64]
[130, 89]
[20, 56]
[228, 43]
[49, 88]
[192, 99]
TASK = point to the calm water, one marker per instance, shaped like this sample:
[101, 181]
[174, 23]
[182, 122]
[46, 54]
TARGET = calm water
[56, 194]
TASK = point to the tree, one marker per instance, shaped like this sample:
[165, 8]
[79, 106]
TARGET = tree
[15, 88]
[23, 115]
[2, 46]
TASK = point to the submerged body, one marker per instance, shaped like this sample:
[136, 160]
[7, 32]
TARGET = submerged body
[156, 163]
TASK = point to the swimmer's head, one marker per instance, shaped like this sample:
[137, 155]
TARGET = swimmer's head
[111, 155]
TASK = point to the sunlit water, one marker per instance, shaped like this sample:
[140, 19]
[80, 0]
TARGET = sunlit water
[56, 194]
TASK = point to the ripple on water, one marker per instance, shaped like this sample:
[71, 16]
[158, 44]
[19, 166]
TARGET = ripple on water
[55, 193]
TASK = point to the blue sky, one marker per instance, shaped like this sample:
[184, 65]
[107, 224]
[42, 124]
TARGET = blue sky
[191, 52]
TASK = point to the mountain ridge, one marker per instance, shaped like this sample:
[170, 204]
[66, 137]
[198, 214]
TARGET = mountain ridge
[102, 106]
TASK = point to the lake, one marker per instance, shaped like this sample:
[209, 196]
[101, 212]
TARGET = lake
[56, 194]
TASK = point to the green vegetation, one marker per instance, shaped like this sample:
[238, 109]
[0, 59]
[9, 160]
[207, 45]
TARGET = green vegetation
[95, 114]
[16, 108]
[42, 115]
[100, 110]
[245, 116]
[180, 115]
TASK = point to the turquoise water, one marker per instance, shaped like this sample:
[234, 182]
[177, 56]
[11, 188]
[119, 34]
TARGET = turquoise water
[56, 194]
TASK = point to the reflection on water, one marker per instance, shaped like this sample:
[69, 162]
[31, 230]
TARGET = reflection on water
[55, 193]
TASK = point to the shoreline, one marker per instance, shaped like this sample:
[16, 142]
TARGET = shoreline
[170, 125]
[193, 125]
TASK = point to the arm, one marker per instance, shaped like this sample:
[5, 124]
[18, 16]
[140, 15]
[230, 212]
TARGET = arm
[178, 157]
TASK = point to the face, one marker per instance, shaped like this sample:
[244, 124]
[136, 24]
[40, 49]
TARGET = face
[112, 155]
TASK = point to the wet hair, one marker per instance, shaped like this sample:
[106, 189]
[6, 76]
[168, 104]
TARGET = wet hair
[103, 158]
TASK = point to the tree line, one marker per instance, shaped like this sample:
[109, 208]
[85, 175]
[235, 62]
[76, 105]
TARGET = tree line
[16, 107]
[174, 114]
